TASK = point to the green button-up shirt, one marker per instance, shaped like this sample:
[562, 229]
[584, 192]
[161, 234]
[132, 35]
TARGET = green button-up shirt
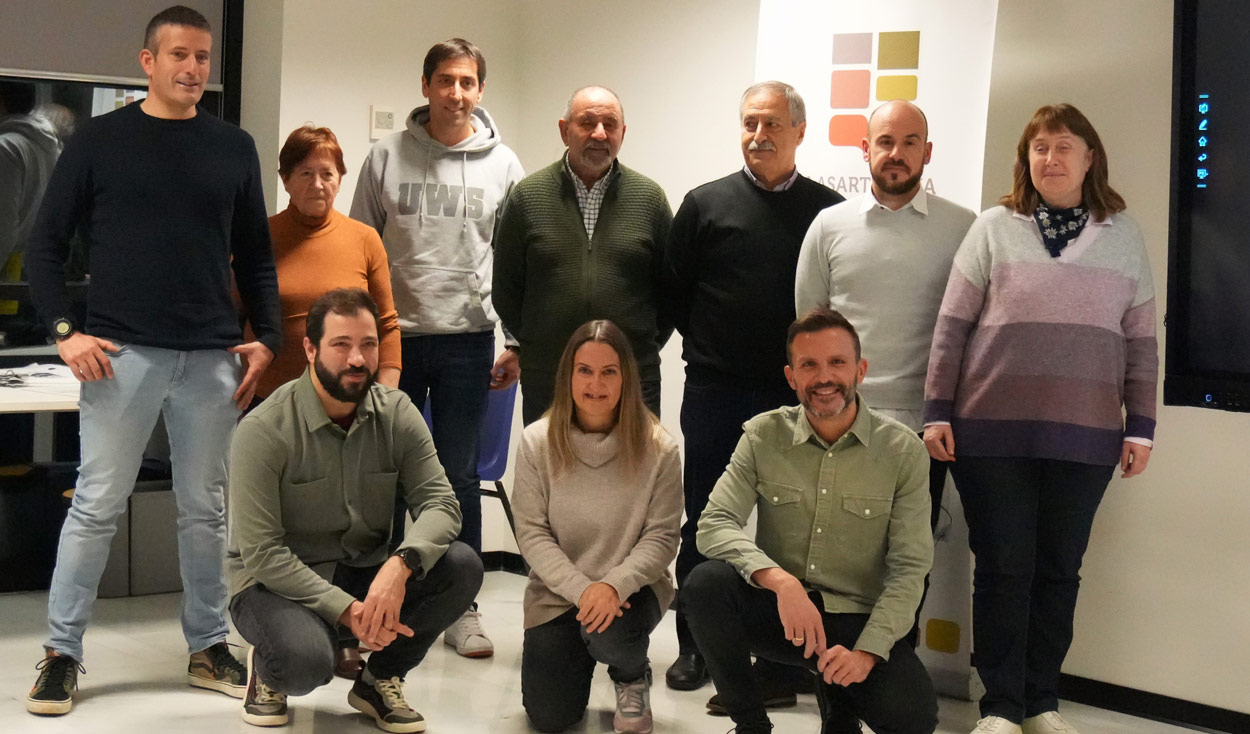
[849, 520]
[304, 491]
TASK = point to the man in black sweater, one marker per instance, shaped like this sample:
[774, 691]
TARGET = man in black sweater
[169, 200]
[731, 257]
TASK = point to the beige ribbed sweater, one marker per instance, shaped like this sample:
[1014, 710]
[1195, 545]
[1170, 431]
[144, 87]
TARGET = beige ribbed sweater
[596, 522]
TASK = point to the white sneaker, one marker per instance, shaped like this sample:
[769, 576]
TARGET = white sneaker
[467, 636]
[996, 725]
[1049, 722]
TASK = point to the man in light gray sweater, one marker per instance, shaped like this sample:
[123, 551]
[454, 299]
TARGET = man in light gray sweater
[314, 476]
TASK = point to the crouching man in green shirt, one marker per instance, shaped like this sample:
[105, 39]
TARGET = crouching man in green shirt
[833, 576]
[313, 477]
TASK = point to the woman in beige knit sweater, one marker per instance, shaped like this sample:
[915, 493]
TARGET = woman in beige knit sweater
[598, 512]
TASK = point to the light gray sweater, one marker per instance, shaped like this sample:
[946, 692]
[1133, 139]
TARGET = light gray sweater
[598, 521]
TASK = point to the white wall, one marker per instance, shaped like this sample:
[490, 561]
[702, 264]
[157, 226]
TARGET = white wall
[1165, 583]
[1165, 592]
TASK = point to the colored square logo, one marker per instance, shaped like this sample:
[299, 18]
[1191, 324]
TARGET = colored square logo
[898, 50]
[852, 48]
[847, 130]
[902, 86]
[850, 89]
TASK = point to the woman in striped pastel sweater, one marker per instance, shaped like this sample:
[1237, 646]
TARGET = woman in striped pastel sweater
[1043, 372]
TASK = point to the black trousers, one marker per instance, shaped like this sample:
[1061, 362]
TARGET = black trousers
[731, 620]
[1029, 522]
[558, 660]
[712, 413]
[295, 647]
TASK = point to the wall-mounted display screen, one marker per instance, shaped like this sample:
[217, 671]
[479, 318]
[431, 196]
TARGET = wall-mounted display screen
[1208, 320]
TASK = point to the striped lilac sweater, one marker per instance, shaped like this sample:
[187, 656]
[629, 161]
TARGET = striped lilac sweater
[1042, 357]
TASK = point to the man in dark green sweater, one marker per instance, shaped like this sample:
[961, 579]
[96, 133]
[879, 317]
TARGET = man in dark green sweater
[582, 239]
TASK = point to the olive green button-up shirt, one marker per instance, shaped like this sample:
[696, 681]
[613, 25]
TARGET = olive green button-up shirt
[303, 491]
[849, 520]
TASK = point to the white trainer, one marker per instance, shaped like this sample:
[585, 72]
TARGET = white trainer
[633, 707]
[467, 636]
[1048, 722]
[996, 725]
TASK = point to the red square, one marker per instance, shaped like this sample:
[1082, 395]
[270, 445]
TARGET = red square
[847, 130]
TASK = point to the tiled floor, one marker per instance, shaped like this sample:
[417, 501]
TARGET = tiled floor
[136, 663]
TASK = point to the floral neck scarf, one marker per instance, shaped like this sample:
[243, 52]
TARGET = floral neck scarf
[1059, 226]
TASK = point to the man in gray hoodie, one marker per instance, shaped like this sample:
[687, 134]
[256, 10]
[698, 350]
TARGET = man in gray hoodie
[433, 192]
[28, 151]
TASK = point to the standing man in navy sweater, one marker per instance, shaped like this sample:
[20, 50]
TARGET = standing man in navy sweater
[731, 256]
[169, 200]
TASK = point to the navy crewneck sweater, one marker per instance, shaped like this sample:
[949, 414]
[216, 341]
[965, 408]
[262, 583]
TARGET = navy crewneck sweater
[167, 208]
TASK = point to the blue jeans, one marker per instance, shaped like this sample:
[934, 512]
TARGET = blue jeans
[194, 390]
[453, 370]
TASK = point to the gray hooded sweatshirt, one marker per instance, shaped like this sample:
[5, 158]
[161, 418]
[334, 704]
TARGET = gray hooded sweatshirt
[28, 151]
[435, 207]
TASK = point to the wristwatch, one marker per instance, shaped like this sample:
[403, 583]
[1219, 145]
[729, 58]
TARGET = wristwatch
[410, 559]
[62, 329]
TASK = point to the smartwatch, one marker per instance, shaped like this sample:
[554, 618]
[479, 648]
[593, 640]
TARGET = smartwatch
[410, 559]
[62, 329]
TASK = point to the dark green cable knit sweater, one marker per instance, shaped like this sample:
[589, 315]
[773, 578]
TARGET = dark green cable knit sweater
[550, 279]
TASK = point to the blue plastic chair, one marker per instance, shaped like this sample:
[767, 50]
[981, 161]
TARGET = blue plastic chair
[495, 437]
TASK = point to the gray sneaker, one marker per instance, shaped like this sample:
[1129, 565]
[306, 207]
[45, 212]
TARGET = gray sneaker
[384, 701]
[262, 706]
[633, 706]
[216, 669]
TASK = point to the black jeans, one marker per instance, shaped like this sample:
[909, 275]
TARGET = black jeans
[1028, 525]
[558, 660]
[731, 620]
[712, 413]
[295, 647]
[453, 370]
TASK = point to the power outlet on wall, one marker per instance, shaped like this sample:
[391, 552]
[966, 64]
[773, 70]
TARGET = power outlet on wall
[381, 121]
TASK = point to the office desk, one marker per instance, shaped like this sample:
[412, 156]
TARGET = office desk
[43, 400]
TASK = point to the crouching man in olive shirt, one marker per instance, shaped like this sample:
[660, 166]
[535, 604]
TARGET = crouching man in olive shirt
[314, 473]
[832, 577]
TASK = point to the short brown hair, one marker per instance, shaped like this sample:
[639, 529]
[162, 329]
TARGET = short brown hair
[342, 301]
[819, 319]
[305, 141]
[635, 422]
[1096, 192]
[176, 15]
[453, 48]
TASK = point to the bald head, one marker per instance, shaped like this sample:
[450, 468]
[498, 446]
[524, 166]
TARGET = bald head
[593, 128]
[897, 149]
[900, 111]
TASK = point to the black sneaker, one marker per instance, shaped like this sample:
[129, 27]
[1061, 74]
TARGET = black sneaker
[53, 691]
[217, 670]
[384, 701]
[262, 706]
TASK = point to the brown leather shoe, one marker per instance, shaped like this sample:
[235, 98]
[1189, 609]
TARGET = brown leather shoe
[347, 662]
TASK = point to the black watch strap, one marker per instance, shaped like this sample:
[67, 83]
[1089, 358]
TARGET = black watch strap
[411, 559]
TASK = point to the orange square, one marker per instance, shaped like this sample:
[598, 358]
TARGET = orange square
[847, 130]
[850, 89]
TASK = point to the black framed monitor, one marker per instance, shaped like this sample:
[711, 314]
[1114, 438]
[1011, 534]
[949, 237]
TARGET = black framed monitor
[1208, 319]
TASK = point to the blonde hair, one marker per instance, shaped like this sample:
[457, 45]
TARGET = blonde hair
[635, 422]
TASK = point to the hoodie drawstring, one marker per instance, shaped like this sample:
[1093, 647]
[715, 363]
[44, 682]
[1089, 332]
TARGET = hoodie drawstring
[429, 157]
[464, 188]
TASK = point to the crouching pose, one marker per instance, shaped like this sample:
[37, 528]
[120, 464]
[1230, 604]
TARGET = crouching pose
[831, 579]
[598, 512]
[314, 473]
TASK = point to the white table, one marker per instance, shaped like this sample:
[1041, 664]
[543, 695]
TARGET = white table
[43, 401]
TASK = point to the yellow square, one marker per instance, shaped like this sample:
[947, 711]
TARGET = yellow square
[902, 86]
[898, 50]
[942, 635]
